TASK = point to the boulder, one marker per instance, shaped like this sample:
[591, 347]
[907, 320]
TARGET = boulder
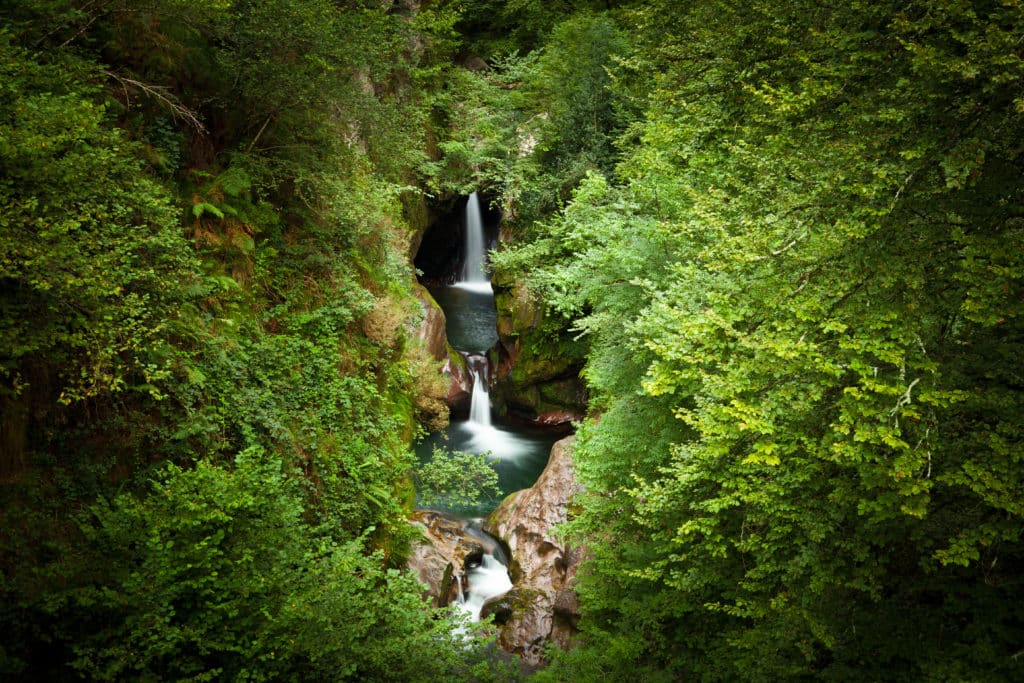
[557, 418]
[542, 605]
[431, 330]
[440, 558]
[460, 381]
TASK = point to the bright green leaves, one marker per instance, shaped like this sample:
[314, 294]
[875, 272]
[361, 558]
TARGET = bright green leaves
[89, 243]
[815, 239]
[215, 574]
[454, 479]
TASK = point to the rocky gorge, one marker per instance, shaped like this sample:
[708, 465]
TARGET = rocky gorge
[497, 356]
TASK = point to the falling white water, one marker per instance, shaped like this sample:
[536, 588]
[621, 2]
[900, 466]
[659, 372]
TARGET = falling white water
[473, 275]
[484, 580]
[480, 399]
[488, 580]
[484, 437]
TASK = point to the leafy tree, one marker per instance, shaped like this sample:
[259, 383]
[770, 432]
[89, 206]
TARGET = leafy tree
[215, 574]
[89, 242]
[810, 264]
[454, 478]
[202, 225]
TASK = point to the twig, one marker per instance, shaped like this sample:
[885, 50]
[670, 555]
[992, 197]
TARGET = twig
[782, 250]
[258, 134]
[161, 94]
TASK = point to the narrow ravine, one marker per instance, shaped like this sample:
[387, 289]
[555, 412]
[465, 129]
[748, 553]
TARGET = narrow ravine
[519, 453]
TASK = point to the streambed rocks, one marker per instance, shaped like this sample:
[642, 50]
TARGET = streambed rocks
[442, 556]
[542, 607]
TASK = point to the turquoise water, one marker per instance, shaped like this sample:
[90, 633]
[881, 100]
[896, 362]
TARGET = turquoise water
[518, 453]
[472, 320]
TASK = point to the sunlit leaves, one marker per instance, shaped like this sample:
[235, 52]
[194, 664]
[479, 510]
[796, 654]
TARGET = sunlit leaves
[89, 242]
[215, 574]
[830, 319]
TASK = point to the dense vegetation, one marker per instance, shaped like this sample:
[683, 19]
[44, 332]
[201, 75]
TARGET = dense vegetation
[787, 237]
[208, 380]
[801, 281]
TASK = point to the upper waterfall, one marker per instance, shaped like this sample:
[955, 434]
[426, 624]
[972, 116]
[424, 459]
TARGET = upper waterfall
[473, 274]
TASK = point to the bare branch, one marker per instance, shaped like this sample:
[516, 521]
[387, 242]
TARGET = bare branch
[162, 95]
[782, 250]
[262, 128]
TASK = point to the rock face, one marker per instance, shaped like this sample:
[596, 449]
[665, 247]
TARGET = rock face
[431, 330]
[537, 365]
[542, 607]
[460, 383]
[440, 560]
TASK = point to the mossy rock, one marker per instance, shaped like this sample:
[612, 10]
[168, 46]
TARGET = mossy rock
[518, 313]
[504, 608]
[457, 360]
[566, 393]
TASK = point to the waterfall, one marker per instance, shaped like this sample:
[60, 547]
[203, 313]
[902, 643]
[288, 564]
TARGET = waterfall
[480, 399]
[485, 579]
[473, 273]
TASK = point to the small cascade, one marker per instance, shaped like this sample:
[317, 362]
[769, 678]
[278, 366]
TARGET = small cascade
[498, 443]
[480, 399]
[486, 578]
[473, 275]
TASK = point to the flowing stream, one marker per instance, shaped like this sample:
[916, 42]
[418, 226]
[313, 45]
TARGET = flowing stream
[519, 454]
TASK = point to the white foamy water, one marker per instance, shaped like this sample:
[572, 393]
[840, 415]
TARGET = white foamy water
[475, 287]
[473, 260]
[501, 443]
[480, 398]
[488, 580]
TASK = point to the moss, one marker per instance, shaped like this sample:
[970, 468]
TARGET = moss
[457, 361]
[518, 313]
[417, 218]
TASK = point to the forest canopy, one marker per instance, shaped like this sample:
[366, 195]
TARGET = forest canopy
[785, 241]
[801, 285]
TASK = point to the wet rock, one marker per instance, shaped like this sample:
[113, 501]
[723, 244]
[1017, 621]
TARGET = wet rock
[499, 609]
[555, 418]
[460, 385]
[474, 63]
[441, 558]
[544, 568]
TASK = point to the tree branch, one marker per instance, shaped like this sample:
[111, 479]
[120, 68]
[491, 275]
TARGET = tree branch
[162, 95]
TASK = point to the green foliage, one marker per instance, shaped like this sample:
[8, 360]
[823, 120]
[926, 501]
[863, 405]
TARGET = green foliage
[453, 478]
[802, 292]
[492, 28]
[215, 575]
[534, 124]
[89, 243]
[201, 229]
[575, 115]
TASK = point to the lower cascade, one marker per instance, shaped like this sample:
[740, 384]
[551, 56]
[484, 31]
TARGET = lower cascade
[480, 399]
[461, 564]
[486, 573]
[486, 580]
